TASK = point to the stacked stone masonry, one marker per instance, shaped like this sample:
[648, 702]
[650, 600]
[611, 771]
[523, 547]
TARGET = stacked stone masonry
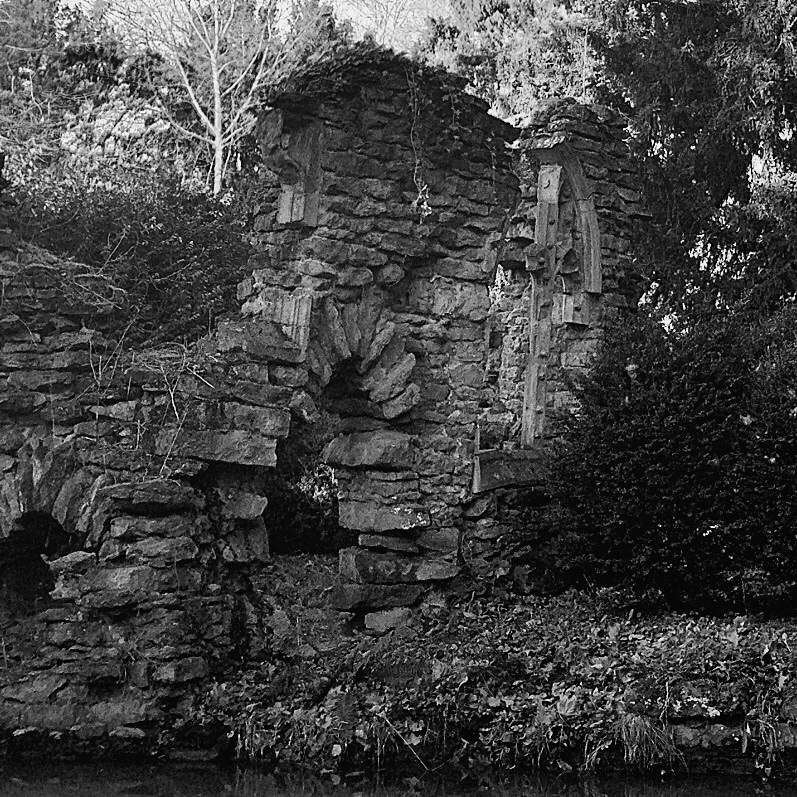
[423, 276]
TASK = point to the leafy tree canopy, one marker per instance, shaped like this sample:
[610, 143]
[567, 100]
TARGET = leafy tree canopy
[710, 89]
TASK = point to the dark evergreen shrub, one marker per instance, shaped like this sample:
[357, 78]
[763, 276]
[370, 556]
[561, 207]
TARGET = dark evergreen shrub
[678, 476]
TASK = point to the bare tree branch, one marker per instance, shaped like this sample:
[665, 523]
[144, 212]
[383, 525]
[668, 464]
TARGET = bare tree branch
[222, 53]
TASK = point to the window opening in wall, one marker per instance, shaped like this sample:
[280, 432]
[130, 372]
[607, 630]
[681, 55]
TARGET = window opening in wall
[540, 301]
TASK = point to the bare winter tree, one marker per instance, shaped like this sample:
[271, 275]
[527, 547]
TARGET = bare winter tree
[218, 56]
[393, 23]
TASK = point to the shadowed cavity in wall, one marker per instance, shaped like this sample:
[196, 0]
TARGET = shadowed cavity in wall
[25, 577]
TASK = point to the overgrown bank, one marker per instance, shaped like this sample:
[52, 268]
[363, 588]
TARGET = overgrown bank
[574, 683]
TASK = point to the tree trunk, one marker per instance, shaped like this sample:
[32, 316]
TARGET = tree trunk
[218, 164]
[218, 120]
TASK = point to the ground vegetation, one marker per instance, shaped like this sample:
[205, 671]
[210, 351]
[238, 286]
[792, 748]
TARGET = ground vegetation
[570, 684]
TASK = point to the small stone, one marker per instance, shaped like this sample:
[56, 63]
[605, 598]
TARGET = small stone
[248, 543]
[191, 668]
[389, 274]
[383, 621]
[241, 504]
[304, 408]
[290, 377]
[126, 732]
[354, 277]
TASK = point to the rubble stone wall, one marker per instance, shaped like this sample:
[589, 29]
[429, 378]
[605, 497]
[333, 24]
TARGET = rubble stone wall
[423, 275]
[441, 273]
[123, 560]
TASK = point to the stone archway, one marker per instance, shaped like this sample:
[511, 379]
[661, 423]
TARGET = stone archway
[357, 342]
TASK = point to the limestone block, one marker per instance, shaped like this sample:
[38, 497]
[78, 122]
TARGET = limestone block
[121, 411]
[163, 553]
[109, 550]
[443, 540]
[318, 361]
[447, 297]
[262, 395]
[128, 528]
[248, 543]
[387, 619]
[368, 313]
[127, 732]
[76, 562]
[245, 288]
[268, 421]
[374, 516]
[381, 448]
[369, 567]
[165, 495]
[248, 372]
[395, 381]
[288, 376]
[127, 710]
[403, 402]
[391, 274]
[467, 375]
[36, 689]
[389, 356]
[114, 587]
[348, 316]
[44, 716]
[399, 544]
[66, 506]
[126, 579]
[261, 340]
[237, 446]
[377, 345]
[349, 597]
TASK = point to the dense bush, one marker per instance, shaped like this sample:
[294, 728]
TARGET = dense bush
[177, 252]
[678, 476]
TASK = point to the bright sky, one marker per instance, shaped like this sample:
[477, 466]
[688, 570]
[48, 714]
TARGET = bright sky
[394, 23]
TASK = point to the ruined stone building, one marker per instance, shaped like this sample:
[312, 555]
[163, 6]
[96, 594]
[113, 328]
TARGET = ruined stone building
[424, 276]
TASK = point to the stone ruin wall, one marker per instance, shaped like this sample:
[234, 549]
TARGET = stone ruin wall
[143, 591]
[396, 247]
[403, 190]
[450, 300]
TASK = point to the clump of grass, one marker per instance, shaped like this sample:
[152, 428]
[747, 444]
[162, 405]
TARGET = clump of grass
[643, 743]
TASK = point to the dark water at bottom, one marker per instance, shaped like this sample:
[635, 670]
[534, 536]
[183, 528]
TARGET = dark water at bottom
[174, 780]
